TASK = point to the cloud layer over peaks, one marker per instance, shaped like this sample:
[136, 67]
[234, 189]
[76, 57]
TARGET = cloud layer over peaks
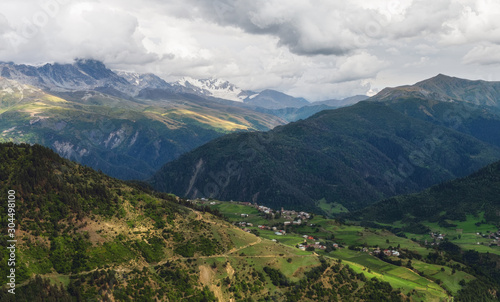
[318, 49]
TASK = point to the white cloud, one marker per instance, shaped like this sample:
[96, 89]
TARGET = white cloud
[317, 49]
[483, 55]
[357, 67]
[478, 21]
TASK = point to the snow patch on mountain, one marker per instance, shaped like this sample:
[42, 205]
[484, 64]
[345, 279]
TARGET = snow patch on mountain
[216, 88]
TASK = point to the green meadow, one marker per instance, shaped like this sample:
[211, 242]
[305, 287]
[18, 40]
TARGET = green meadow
[420, 282]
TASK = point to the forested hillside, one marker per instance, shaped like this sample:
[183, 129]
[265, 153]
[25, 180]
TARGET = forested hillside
[84, 236]
[353, 156]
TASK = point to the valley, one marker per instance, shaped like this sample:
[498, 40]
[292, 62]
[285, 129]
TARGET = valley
[416, 266]
[324, 196]
[249, 151]
[95, 237]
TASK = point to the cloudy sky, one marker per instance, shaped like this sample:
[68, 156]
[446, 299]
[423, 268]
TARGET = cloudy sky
[317, 49]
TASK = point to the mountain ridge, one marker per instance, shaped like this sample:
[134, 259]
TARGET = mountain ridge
[90, 74]
[124, 136]
[447, 89]
[342, 155]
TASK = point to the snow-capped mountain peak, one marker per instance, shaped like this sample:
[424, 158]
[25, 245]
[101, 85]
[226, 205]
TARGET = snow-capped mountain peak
[216, 88]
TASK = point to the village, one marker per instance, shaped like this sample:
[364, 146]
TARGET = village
[436, 238]
[296, 218]
[494, 237]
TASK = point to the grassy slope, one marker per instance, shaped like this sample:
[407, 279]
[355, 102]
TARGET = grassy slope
[460, 209]
[108, 239]
[422, 288]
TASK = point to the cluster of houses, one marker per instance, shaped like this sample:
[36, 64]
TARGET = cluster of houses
[265, 227]
[316, 245]
[205, 201]
[492, 235]
[495, 236]
[388, 253]
[294, 215]
[437, 236]
[298, 217]
[262, 209]
[308, 237]
[295, 218]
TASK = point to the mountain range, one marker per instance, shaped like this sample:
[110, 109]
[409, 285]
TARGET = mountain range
[399, 141]
[128, 125]
[125, 124]
[99, 238]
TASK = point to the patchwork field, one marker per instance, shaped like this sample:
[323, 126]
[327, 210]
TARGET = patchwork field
[422, 281]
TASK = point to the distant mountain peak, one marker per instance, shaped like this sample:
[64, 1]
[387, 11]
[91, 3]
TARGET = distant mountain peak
[446, 88]
[441, 75]
[81, 75]
[213, 87]
[440, 78]
[272, 99]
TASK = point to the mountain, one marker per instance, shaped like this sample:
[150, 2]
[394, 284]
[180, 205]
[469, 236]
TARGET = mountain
[474, 195]
[127, 125]
[463, 105]
[81, 75]
[272, 99]
[83, 236]
[341, 103]
[475, 92]
[481, 122]
[215, 88]
[353, 156]
[223, 90]
[144, 80]
[293, 114]
[446, 88]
